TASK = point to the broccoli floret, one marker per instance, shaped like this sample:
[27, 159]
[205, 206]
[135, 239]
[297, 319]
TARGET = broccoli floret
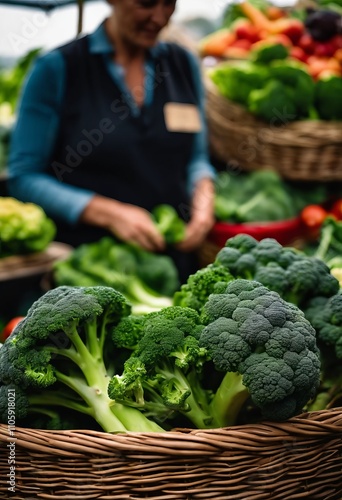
[325, 315]
[164, 372]
[294, 75]
[273, 102]
[169, 223]
[59, 356]
[237, 80]
[273, 277]
[195, 292]
[290, 272]
[127, 333]
[327, 97]
[266, 52]
[265, 347]
[157, 271]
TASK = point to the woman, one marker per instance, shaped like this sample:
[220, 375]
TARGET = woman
[111, 125]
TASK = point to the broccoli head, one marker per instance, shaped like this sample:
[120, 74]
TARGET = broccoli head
[288, 271]
[59, 355]
[273, 101]
[325, 315]
[328, 90]
[237, 80]
[265, 347]
[164, 373]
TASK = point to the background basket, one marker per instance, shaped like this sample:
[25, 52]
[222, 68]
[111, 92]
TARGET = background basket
[294, 460]
[302, 150]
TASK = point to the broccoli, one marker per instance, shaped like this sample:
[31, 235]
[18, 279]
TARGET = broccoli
[62, 356]
[163, 375]
[266, 349]
[109, 263]
[274, 102]
[325, 315]
[195, 292]
[158, 271]
[288, 271]
[128, 331]
[256, 197]
[265, 52]
[327, 97]
[169, 223]
[294, 75]
[236, 81]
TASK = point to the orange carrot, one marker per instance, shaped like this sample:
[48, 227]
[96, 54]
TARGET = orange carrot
[255, 15]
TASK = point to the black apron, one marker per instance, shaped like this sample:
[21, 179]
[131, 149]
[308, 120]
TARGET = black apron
[103, 147]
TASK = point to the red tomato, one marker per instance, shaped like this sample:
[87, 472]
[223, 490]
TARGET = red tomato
[336, 209]
[6, 332]
[312, 217]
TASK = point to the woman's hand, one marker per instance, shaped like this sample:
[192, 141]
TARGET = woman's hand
[202, 216]
[127, 222]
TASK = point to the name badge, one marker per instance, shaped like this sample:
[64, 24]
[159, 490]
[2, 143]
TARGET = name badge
[181, 117]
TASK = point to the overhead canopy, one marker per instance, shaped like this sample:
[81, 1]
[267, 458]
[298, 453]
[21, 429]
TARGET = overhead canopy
[38, 4]
[48, 5]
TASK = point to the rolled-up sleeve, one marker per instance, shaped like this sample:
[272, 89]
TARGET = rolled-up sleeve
[33, 141]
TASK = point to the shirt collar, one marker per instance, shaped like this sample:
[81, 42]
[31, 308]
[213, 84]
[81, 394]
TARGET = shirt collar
[99, 43]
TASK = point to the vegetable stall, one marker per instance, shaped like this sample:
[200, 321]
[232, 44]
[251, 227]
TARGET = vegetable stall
[119, 382]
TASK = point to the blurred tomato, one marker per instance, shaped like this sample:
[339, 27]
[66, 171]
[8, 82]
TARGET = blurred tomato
[6, 332]
[312, 217]
[336, 209]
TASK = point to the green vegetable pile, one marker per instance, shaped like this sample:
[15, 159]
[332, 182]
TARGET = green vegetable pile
[241, 341]
[296, 276]
[276, 89]
[24, 228]
[146, 279]
[261, 196]
[81, 351]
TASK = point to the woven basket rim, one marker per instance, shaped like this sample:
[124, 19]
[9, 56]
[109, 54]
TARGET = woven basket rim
[178, 441]
[326, 132]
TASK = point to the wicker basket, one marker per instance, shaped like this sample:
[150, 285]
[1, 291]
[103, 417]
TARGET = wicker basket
[299, 459]
[302, 150]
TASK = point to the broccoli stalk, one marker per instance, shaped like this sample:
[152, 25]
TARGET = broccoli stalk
[58, 355]
[108, 263]
[228, 400]
[137, 292]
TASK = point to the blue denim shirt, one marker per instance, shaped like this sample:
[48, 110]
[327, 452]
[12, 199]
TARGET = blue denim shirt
[35, 132]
